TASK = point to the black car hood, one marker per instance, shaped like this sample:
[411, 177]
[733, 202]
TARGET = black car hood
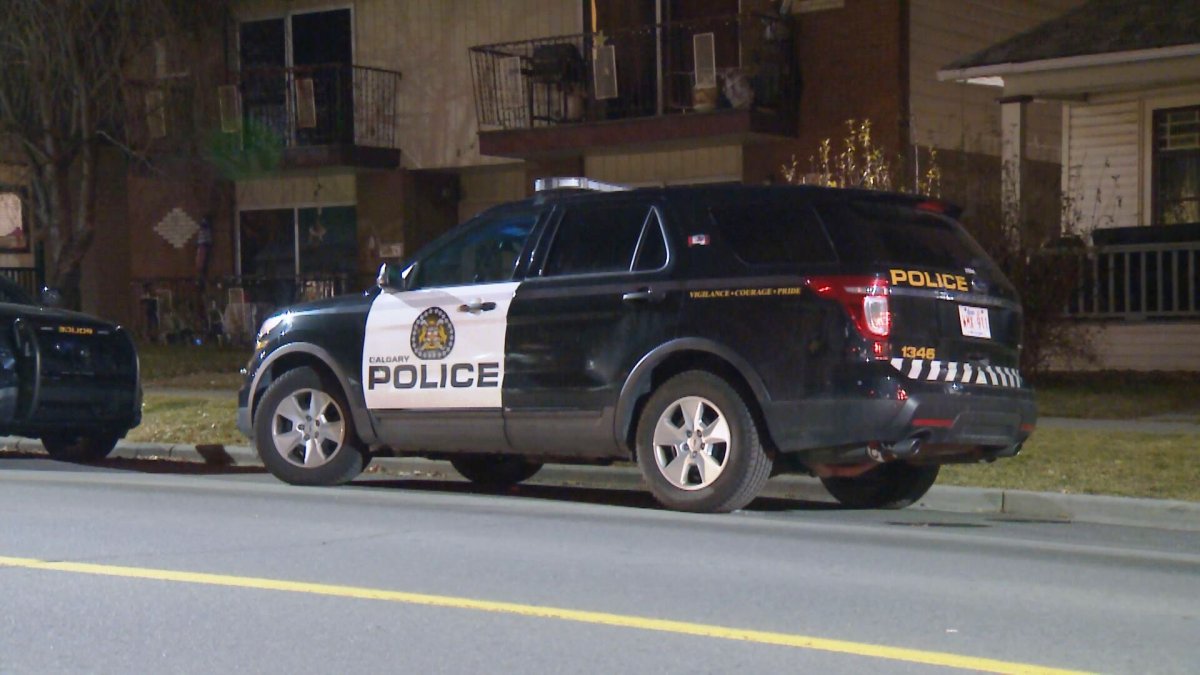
[49, 315]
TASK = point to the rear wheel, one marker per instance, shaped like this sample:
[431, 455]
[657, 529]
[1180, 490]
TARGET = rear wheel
[698, 446]
[495, 471]
[304, 432]
[71, 447]
[894, 485]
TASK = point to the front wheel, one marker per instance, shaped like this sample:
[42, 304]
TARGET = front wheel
[304, 432]
[72, 447]
[894, 485]
[495, 471]
[698, 446]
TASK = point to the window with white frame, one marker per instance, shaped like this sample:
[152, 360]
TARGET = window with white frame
[1176, 170]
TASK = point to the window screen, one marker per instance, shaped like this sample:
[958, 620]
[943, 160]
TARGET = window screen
[772, 233]
[596, 239]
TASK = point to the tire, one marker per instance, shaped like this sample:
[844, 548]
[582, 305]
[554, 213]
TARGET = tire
[894, 485]
[495, 471]
[304, 432]
[687, 472]
[79, 448]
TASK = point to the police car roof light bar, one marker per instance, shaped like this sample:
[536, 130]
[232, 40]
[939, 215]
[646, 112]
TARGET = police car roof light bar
[576, 183]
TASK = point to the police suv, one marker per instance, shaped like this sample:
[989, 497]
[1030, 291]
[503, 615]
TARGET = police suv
[714, 335]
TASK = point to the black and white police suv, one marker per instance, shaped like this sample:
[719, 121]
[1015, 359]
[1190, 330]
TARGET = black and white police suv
[714, 335]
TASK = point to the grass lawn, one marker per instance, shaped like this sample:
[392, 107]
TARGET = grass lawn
[192, 367]
[203, 420]
[1160, 466]
[1118, 395]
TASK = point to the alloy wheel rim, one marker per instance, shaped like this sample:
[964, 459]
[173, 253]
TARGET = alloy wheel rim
[308, 428]
[691, 443]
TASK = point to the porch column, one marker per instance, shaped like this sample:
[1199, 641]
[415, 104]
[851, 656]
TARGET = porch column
[1012, 151]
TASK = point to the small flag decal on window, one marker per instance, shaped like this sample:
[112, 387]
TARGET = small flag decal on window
[698, 240]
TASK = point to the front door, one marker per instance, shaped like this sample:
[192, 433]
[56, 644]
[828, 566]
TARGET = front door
[433, 364]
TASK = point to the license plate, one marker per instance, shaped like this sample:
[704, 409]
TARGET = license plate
[974, 321]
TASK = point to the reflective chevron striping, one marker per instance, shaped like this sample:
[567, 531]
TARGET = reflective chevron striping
[964, 373]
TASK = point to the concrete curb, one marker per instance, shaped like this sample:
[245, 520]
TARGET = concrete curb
[1016, 504]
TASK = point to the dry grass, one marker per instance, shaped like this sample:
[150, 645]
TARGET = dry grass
[205, 420]
[192, 367]
[1126, 464]
[1112, 395]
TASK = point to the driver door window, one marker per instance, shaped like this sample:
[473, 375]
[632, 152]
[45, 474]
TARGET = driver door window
[484, 254]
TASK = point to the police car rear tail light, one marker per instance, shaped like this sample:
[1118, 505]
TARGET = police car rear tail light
[865, 300]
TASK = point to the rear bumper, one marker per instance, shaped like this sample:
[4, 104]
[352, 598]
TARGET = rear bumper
[995, 419]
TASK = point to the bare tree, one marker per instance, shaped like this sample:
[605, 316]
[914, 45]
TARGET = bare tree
[62, 101]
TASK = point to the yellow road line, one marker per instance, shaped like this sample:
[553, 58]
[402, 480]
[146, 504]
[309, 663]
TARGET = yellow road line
[597, 618]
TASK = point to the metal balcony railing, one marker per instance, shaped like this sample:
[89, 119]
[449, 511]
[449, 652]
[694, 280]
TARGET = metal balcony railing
[225, 309]
[1138, 281]
[641, 72]
[333, 104]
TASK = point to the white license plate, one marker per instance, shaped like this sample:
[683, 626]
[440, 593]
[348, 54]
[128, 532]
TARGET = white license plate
[974, 321]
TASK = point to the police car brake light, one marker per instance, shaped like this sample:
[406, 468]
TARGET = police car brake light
[865, 300]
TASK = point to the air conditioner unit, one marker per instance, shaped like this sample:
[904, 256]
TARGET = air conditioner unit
[156, 114]
[606, 72]
[230, 103]
[306, 104]
[704, 55]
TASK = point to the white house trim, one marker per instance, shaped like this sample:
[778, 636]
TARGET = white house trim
[1069, 62]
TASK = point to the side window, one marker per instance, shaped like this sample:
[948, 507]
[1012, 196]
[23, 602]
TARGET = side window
[485, 253]
[596, 239]
[773, 233]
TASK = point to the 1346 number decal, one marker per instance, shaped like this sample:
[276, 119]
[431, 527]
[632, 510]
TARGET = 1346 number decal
[910, 352]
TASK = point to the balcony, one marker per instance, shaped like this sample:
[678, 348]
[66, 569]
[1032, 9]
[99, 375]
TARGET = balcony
[732, 76]
[316, 116]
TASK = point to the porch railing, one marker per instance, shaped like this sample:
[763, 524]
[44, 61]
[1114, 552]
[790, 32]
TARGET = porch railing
[1138, 281]
[640, 72]
[322, 105]
[25, 277]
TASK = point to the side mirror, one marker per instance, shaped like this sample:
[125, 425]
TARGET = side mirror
[390, 276]
[50, 297]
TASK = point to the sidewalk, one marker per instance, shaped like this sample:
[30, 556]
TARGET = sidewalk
[1016, 504]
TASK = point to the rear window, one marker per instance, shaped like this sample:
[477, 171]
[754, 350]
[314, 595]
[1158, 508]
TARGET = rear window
[772, 233]
[882, 233]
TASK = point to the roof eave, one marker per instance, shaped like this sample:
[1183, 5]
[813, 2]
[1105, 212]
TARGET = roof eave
[1000, 70]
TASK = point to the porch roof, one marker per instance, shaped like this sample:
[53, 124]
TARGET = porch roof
[1098, 32]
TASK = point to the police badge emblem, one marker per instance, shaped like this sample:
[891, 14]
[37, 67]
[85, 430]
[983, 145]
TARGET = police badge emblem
[432, 335]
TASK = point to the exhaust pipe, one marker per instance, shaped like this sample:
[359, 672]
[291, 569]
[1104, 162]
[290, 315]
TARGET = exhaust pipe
[904, 449]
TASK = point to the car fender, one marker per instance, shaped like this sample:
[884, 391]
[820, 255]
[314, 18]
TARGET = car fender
[352, 391]
[639, 381]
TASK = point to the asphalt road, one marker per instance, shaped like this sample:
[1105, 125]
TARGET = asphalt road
[139, 566]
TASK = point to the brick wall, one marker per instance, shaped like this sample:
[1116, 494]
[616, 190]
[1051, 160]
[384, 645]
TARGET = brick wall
[853, 65]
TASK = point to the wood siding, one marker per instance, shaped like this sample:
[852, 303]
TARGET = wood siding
[1141, 346]
[488, 187]
[668, 167]
[295, 191]
[1101, 163]
[955, 116]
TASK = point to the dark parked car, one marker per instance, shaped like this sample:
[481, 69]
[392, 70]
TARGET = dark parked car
[714, 335]
[67, 378]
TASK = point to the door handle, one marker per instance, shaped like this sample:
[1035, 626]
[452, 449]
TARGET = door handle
[477, 307]
[642, 295]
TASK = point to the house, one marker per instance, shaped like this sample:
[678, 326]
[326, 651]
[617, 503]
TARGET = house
[326, 137]
[1127, 75]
